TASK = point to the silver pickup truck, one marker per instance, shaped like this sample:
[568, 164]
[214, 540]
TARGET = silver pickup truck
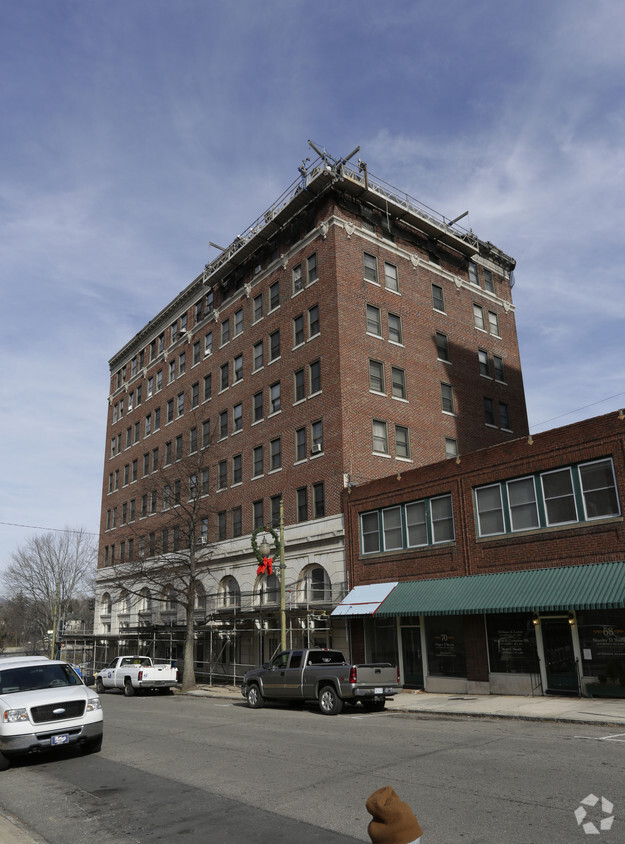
[321, 675]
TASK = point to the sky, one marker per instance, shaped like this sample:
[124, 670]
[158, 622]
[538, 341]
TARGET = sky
[133, 132]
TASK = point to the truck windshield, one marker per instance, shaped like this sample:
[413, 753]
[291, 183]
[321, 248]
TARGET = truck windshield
[28, 677]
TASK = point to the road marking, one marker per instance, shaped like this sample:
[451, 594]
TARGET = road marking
[616, 737]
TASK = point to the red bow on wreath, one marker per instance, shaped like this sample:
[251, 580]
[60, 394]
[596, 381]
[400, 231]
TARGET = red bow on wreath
[266, 567]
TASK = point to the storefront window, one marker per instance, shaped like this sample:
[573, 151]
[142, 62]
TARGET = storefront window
[512, 644]
[602, 643]
[445, 644]
[381, 640]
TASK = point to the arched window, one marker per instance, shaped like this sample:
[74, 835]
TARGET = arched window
[124, 602]
[199, 598]
[145, 601]
[106, 604]
[315, 586]
[229, 593]
[269, 589]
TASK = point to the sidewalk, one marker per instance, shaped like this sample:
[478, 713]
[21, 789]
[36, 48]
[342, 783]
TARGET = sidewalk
[584, 710]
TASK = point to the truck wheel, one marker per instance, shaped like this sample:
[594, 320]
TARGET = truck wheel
[329, 701]
[128, 688]
[92, 745]
[255, 700]
[4, 762]
[99, 686]
[373, 705]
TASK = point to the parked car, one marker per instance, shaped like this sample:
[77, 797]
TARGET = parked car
[136, 674]
[44, 704]
[322, 675]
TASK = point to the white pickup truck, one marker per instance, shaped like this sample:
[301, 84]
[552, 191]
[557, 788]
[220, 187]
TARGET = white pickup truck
[136, 674]
[44, 704]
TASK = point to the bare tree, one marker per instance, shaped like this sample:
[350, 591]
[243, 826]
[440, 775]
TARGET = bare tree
[50, 570]
[170, 559]
[22, 623]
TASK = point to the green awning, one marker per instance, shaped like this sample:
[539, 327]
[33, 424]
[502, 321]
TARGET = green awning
[600, 586]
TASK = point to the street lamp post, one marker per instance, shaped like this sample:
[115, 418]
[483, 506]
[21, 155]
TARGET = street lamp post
[264, 549]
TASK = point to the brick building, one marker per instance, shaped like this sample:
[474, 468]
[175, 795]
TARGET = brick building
[349, 333]
[502, 572]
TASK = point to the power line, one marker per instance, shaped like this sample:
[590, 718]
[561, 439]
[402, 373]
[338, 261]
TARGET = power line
[57, 530]
[585, 407]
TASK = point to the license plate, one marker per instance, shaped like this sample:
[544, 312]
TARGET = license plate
[62, 738]
[378, 691]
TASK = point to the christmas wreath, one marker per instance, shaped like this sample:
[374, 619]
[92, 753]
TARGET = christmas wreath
[265, 564]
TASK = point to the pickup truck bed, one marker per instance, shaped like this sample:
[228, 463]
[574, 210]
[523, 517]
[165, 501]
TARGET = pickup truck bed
[321, 675]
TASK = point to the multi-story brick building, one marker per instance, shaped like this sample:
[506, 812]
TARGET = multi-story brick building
[348, 334]
[500, 572]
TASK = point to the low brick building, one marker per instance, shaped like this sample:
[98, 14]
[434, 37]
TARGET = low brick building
[502, 571]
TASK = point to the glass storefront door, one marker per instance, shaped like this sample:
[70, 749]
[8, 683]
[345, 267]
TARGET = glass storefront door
[411, 653]
[560, 666]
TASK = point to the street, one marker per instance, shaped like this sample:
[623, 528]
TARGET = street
[195, 769]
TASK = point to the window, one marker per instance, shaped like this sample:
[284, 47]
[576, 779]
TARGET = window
[390, 277]
[274, 345]
[258, 514]
[300, 444]
[276, 454]
[238, 368]
[394, 329]
[223, 424]
[300, 385]
[238, 322]
[316, 435]
[221, 525]
[298, 330]
[311, 268]
[199, 311]
[159, 380]
[402, 441]
[258, 466]
[412, 525]
[157, 418]
[482, 357]
[275, 510]
[195, 394]
[182, 363]
[493, 323]
[274, 398]
[504, 416]
[146, 464]
[174, 331]
[224, 379]
[498, 367]
[172, 371]
[134, 470]
[204, 486]
[192, 440]
[193, 487]
[237, 469]
[380, 437]
[315, 377]
[371, 268]
[222, 474]
[488, 280]
[442, 346]
[374, 321]
[180, 404]
[398, 383]
[438, 302]
[376, 376]
[183, 323]
[170, 410]
[274, 295]
[225, 331]
[522, 503]
[313, 321]
[478, 317]
[599, 489]
[319, 501]
[258, 307]
[148, 424]
[206, 433]
[473, 278]
[559, 497]
[208, 386]
[208, 344]
[302, 504]
[447, 398]
[298, 281]
[258, 406]
[391, 528]
[237, 417]
[168, 453]
[451, 447]
[489, 411]
[150, 385]
[257, 356]
[178, 447]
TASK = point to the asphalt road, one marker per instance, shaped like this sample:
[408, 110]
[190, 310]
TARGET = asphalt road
[194, 769]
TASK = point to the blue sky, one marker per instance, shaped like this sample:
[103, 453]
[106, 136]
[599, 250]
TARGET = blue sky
[133, 132]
